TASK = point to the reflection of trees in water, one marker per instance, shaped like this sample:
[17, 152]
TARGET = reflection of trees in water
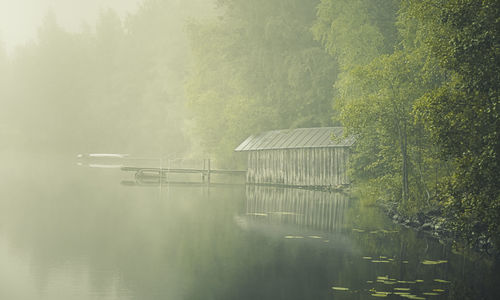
[305, 208]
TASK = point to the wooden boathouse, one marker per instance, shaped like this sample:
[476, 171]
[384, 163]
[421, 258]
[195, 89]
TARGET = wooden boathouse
[308, 157]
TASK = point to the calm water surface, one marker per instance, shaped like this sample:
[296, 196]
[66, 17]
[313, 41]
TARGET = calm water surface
[74, 232]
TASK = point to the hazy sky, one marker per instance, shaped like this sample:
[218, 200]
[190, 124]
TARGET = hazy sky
[19, 19]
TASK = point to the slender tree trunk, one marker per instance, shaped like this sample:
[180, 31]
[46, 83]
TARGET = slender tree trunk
[403, 140]
[405, 164]
[401, 124]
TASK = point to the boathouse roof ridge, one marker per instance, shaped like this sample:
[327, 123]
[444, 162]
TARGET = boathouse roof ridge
[318, 137]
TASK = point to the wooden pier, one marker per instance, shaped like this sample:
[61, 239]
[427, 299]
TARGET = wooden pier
[205, 173]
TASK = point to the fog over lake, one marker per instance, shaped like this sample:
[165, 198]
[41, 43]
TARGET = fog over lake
[235, 149]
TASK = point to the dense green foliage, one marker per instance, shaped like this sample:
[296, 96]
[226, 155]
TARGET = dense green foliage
[424, 103]
[257, 67]
[375, 97]
[463, 114]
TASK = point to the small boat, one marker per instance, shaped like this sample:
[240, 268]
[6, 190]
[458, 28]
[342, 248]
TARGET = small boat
[101, 160]
[102, 155]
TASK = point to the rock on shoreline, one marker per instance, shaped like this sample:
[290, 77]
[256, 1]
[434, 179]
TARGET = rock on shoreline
[432, 222]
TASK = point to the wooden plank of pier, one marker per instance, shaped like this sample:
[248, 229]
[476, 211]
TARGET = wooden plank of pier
[162, 170]
[185, 171]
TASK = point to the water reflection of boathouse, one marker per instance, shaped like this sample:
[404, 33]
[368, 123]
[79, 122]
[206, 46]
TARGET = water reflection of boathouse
[306, 209]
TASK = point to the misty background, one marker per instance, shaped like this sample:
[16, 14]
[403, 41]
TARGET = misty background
[416, 83]
[160, 78]
[95, 76]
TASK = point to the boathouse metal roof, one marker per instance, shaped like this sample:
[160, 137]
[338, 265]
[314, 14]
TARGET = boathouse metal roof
[320, 137]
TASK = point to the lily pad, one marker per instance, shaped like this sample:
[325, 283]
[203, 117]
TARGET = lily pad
[294, 237]
[414, 297]
[314, 236]
[434, 262]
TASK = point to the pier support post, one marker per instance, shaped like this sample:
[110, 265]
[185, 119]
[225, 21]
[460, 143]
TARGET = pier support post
[203, 171]
[208, 172]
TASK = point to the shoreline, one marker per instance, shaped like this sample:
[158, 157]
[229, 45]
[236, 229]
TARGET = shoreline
[434, 223]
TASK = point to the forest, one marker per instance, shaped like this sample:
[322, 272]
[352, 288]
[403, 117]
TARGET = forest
[417, 83]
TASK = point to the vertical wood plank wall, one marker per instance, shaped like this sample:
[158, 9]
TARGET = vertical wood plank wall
[299, 167]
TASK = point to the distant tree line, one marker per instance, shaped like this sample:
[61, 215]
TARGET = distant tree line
[116, 86]
[416, 81]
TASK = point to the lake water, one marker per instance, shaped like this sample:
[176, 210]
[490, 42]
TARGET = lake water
[74, 232]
